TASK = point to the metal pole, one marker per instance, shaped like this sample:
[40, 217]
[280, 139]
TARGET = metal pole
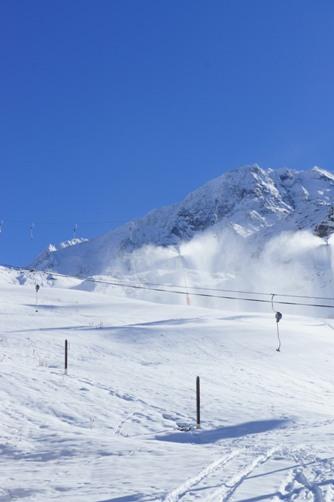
[66, 355]
[198, 403]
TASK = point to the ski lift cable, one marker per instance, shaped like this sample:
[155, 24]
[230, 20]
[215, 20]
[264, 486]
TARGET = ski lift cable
[147, 284]
[182, 292]
[255, 293]
[50, 222]
[162, 288]
[207, 295]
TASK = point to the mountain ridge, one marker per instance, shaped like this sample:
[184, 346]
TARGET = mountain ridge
[251, 201]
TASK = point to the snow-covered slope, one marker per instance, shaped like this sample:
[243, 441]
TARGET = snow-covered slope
[107, 431]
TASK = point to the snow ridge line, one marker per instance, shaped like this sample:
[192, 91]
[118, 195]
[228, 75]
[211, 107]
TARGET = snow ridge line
[177, 493]
[224, 492]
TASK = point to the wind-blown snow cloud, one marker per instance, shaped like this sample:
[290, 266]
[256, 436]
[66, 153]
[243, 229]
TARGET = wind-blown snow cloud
[290, 263]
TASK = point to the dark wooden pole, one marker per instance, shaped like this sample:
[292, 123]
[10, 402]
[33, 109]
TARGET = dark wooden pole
[66, 355]
[198, 403]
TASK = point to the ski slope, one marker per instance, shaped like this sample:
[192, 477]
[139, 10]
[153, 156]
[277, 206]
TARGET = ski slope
[107, 431]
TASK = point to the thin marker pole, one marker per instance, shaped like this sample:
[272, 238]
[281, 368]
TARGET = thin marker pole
[36, 299]
[66, 356]
[75, 228]
[198, 403]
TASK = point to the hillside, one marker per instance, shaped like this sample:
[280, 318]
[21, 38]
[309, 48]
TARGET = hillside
[107, 431]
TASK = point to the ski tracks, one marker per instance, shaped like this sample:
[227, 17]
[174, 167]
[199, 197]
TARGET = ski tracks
[312, 479]
[309, 478]
[243, 466]
[226, 473]
[181, 491]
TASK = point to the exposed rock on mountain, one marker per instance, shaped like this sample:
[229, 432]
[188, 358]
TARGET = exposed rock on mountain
[253, 203]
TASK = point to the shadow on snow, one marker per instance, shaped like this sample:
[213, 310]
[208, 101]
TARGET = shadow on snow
[231, 431]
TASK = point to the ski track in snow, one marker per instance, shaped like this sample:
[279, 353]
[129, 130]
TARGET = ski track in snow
[180, 492]
[245, 466]
[311, 480]
[238, 460]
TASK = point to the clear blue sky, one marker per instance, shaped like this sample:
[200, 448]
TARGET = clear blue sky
[111, 108]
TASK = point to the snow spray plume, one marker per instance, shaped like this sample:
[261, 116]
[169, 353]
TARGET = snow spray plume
[289, 263]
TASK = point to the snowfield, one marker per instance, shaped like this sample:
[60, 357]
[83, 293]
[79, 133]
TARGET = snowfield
[107, 431]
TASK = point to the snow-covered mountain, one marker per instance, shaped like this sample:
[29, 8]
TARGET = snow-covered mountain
[249, 200]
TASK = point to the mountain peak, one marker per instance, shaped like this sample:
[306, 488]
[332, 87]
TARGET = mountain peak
[251, 200]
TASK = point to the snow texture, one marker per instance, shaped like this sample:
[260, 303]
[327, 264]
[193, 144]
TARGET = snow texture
[107, 430]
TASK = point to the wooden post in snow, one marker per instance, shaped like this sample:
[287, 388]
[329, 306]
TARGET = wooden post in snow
[66, 356]
[198, 403]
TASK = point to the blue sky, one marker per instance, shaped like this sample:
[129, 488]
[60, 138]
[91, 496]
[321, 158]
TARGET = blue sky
[111, 108]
